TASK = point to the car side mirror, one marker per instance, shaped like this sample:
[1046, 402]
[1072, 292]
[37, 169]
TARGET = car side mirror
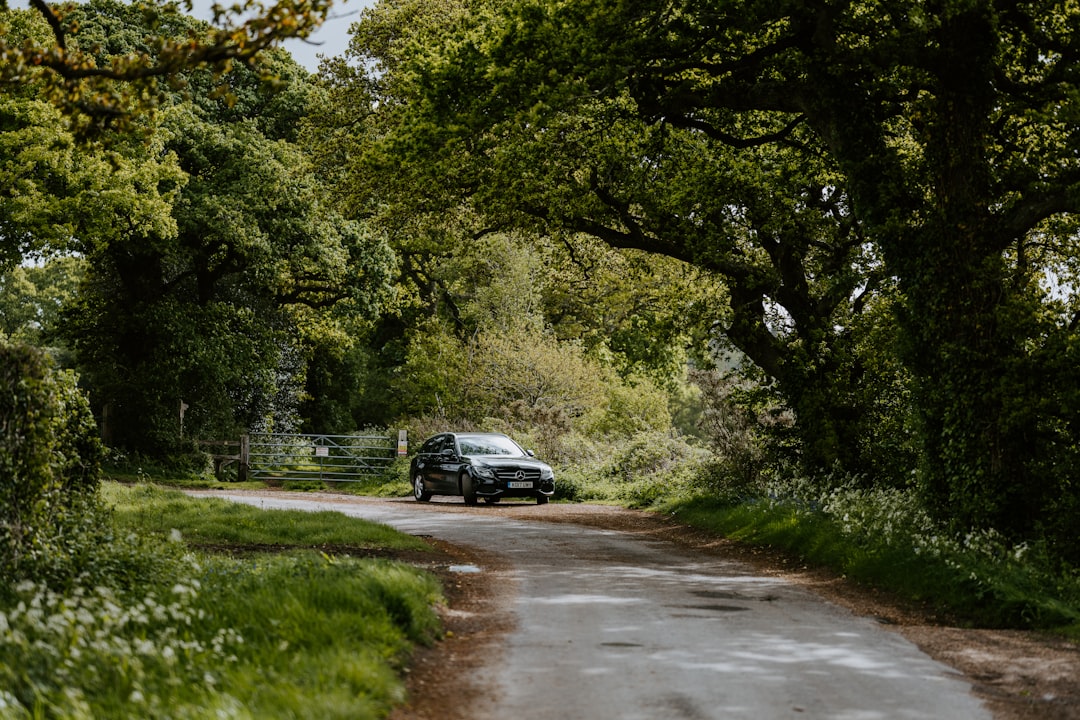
[449, 453]
[530, 453]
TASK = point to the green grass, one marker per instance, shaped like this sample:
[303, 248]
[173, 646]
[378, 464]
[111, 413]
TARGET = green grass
[975, 586]
[158, 511]
[164, 632]
[390, 485]
[321, 639]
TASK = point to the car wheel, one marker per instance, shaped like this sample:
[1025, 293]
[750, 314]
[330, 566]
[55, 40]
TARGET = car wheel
[467, 489]
[541, 499]
[418, 490]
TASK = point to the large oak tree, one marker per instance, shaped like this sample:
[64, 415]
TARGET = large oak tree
[521, 147]
[808, 152]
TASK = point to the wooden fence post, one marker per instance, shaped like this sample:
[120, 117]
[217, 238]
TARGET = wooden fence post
[245, 447]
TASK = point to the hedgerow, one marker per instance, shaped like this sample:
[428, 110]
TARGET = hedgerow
[50, 459]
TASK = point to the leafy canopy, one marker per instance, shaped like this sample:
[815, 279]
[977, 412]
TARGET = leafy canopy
[99, 75]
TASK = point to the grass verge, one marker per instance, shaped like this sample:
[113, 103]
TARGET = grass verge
[977, 583]
[155, 511]
[394, 483]
[162, 631]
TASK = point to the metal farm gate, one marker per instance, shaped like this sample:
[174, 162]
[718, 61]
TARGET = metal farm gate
[338, 458]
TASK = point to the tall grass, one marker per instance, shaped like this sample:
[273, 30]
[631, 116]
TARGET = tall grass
[881, 537]
[162, 632]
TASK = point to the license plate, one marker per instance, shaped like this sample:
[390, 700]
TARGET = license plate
[516, 484]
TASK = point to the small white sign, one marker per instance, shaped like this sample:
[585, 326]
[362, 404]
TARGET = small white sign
[322, 451]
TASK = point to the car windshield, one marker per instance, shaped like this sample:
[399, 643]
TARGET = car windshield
[488, 445]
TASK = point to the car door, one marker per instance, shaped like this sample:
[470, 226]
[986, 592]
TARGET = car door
[427, 461]
[447, 466]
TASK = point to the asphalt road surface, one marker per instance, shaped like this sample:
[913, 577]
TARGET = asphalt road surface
[611, 626]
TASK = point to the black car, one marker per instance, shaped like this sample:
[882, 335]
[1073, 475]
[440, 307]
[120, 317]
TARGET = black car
[479, 465]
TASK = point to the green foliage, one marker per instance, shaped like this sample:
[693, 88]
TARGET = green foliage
[631, 406]
[31, 297]
[489, 358]
[886, 253]
[639, 471]
[882, 538]
[108, 75]
[521, 376]
[756, 236]
[50, 458]
[336, 373]
[157, 632]
[58, 197]
[230, 272]
[737, 429]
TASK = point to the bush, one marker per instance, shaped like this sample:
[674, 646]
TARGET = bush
[649, 467]
[50, 458]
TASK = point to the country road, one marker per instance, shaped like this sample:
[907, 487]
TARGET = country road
[611, 625]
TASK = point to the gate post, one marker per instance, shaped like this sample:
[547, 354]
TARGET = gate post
[245, 451]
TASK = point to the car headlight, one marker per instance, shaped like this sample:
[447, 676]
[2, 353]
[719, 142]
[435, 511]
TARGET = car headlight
[484, 472]
[547, 474]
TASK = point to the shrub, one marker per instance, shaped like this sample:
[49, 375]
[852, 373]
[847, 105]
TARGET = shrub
[50, 457]
[735, 428]
[648, 467]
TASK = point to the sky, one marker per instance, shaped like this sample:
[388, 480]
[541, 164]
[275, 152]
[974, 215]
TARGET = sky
[331, 39]
[333, 36]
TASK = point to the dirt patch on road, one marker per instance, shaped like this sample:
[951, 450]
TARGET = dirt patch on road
[1019, 675]
[445, 681]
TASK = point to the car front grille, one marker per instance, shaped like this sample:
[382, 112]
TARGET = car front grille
[509, 474]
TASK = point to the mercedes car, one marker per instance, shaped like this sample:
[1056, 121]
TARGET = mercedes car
[488, 466]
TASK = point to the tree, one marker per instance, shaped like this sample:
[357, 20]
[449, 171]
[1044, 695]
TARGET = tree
[648, 315]
[933, 144]
[218, 300]
[461, 274]
[96, 92]
[204, 316]
[53, 192]
[32, 296]
[558, 157]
